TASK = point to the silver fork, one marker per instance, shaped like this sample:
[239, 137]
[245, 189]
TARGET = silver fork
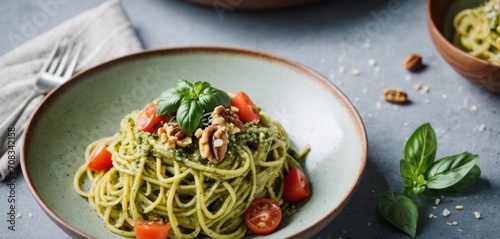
[58, 68]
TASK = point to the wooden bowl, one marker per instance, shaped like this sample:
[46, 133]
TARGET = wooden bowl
[252, 4]
[440, 14]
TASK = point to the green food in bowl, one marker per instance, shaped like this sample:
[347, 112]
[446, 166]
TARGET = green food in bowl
[477, 30]
[91, 105]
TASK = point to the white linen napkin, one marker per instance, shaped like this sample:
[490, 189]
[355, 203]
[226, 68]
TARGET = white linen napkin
[105, 33]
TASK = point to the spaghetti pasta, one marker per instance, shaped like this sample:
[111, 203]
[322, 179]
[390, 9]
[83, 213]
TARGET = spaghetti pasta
[149, 181]
[477, 31]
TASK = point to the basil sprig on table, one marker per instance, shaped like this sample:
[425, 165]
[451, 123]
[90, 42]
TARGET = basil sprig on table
[420, 172]
[190, 102]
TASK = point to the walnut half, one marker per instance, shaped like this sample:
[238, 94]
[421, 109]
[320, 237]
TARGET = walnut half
[213, 143]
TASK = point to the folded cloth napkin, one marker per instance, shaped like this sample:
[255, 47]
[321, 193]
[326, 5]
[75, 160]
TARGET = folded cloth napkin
[105, 33]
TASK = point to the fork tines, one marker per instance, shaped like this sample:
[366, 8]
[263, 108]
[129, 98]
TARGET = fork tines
[57, 65]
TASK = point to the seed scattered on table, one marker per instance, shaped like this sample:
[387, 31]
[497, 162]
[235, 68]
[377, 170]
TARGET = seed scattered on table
[438, 201]
[446, 212]
[372, 62]
[417, 87]
[426, 89]
[459, 207]
[473, 108]
[356, 72]
[481, 127]
[452, 223]
[342, 70]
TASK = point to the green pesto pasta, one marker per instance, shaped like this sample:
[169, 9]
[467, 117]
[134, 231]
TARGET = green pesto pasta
[178, 186]
[477, 31]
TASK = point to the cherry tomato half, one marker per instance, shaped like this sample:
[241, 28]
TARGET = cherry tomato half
[247, 111]
[151, 230]
[100, 159]
[263, 216]
[148, 121]
[296, 185]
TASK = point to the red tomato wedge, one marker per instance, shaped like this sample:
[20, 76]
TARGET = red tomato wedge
[151, 230]
[296, 185]
[100, 158]
[148, 121]
[263, 216]
[247, 111]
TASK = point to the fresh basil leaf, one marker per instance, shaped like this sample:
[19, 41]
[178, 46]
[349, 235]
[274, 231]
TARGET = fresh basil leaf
[450, 170]
[184, 86]
[420, 149]
[199, 86]
[400, 210]
[212, 97]
[168, 101]
[189, 116]
[471, 177]
[407, 171]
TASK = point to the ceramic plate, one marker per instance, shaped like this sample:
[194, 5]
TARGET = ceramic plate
[91, 105]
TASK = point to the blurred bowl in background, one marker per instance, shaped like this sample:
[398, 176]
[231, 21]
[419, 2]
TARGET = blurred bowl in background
[440, 14]
[252, 4]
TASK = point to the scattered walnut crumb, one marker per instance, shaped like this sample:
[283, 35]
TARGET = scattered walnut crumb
[431, 215]
[452, 223]
[481, 128]
[342, 69]
[417, 87]
[473, 108]
[372, 62]
[409, 78]
[30, 215]
[356, 72]
[477, 214]
[438, 201]
[426, 89]
[459, 207]
[446, 212]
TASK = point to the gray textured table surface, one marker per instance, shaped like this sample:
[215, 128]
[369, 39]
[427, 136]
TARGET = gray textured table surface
[326, 37]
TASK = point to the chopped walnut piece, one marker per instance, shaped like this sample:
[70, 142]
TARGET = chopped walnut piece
[173, 136]
[185, 141]
[213, 143]
[228, 118]
[198, 133]
[171, 142]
